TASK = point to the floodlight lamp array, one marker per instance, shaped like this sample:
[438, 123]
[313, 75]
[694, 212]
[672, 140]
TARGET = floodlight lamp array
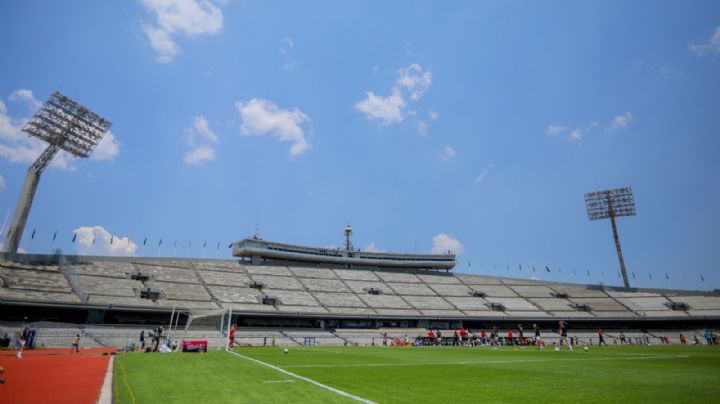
[610, 203]
[64, 123]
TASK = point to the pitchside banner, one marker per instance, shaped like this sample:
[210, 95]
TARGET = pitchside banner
[194, 346]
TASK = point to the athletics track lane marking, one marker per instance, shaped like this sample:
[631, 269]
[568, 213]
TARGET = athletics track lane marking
[361, 365]
[311, 381]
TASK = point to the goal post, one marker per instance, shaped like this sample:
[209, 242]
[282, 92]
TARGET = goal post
[210, 325]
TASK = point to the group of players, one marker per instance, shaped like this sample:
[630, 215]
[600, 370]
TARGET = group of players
[462, 337]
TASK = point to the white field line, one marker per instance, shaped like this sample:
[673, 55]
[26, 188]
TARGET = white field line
[279, 381]
[311, 381]
[363, 365]
[321, 351]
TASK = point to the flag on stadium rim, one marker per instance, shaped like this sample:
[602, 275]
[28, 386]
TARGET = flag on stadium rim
[205, 244]
[666, 276]
[520, 266]
[55, 235]
[650, 275]
[547, 268]
[175, 243]
[588, 271]
[145, 241]
[218, 247]
[702, 278]
[633, 274]
[533, 268]
[112, 238]
[74, 237]
[93, 239]
[230, 245]
[33, 235]
[160, 243]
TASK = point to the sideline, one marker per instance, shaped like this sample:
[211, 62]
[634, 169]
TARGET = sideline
[311, 381]
[106, 392]
[363, 365]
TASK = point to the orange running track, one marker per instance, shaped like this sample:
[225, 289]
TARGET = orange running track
[53, 375]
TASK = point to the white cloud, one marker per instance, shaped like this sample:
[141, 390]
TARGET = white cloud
[447, 154]
[621, 121]
[422, 128]
[104, 242]
[286, 46]
[373, 248]
[200, 139]
[180, 17]
[432, 114]
[198, 155]
[262, 117]
[555, 129]
[414, 80]
[484, 173]
[576, 134]
[388, 109]
[17, 147]
[2, 183]
[711, 48]
[107, 149]
[442, 243]
[391, 109]
[26, 96]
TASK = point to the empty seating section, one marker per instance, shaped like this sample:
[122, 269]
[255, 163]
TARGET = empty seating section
[278, 282]
[496, 291]
[469, 303]
[317, 290]
[440, 278]
[599, 304]
[356, 275]
[224, 278]
[641, 304]
[411, 289]
[384, 301]
[98, 285]
[361, 287]
[324, 273]
[169, 274]
[324, 285]
[292, 297]
[339, 299]
[552, 304]
[398, 277]
[450, 290]
[236, 294]
[513, 303]
[532, 291]
[428, 302]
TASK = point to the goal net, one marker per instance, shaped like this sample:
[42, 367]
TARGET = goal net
[211, 326]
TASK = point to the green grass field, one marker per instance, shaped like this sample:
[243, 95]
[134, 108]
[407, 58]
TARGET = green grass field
[431, 374]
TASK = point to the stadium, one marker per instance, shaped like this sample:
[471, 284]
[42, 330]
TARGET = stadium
[447, 134]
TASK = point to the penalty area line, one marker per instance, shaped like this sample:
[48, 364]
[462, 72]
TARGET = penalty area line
[305, 379]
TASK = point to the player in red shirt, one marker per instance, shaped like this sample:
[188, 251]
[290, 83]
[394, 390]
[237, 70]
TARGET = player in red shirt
[510, 335]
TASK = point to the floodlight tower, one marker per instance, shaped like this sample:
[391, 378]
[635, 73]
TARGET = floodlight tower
[64, 125]
[609, 204]
[348, 233]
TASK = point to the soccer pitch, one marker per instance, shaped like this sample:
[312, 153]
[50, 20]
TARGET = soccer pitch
[428, 374]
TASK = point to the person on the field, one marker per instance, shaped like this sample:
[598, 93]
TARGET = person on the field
[563, 334]
[521, 334]
[232, 336]
[439, 337]
[600, 336]
[483, 338]
[23, 336]
[76, 344]
[2, 370]
[682, 339]
[538, 338]
[142, 340]
[622, 338]
[158, 338]
[456, 338]
[464, 335]
[510, 336]
[494, 336]
[708, 336]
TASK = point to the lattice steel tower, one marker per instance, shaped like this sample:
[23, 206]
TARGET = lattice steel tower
[609, 204]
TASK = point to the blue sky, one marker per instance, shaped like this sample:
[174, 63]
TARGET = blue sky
[474, 126]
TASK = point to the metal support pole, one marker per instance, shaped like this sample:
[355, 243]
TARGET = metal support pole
[22, 210]
[619, 252]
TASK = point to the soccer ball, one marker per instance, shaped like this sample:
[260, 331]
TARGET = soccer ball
[557, 349]
[587, 349]
[285, 351]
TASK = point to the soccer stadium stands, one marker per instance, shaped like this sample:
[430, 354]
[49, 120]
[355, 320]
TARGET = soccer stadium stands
[314, 296]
